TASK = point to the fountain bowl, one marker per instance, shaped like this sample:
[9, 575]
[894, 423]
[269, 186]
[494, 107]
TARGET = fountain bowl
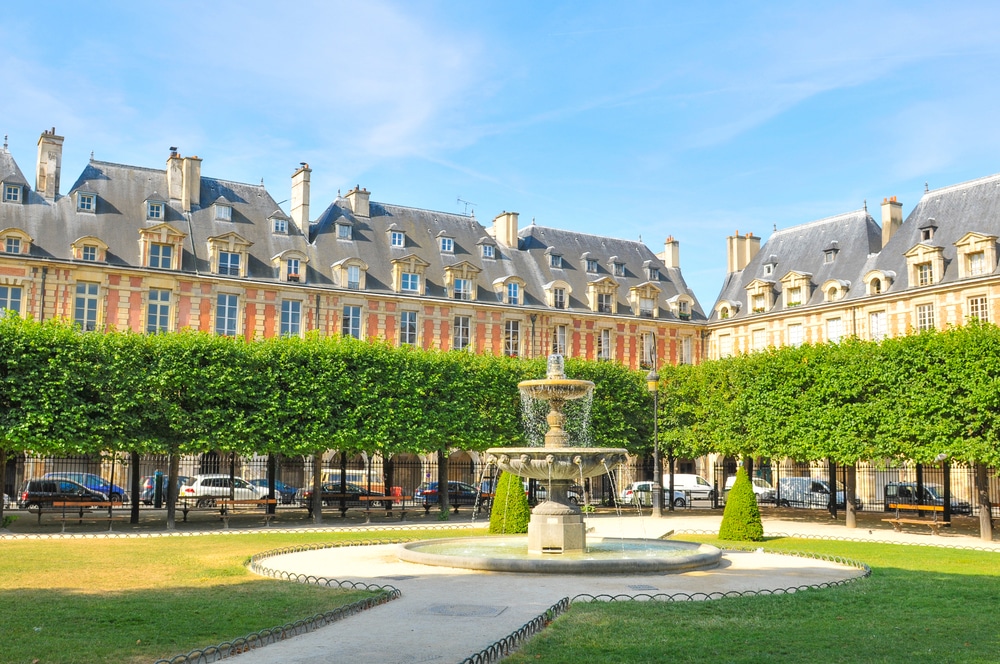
[606, 556]
[564, 463]
[558, 389]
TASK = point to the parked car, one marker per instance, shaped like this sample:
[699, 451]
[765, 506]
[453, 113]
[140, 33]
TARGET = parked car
[146, 488]
[641, 493]
[285, 493]
[459, 493]
[94, 483]
[204, 489]
[761, 488]
[695, 486]
[574, 494]
[809, 492]
[354, 495]
[47, 490]
[6, 501]
[896, 493]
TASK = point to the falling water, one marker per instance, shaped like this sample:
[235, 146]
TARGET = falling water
[577, 412]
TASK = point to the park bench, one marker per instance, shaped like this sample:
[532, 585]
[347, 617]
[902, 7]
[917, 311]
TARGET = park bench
[229, 508]
[934, 524]
[80, 511]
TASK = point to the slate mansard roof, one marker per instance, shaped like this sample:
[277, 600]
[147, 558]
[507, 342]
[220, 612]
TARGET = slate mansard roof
[528, 261]
[852, 237]
[120, 213]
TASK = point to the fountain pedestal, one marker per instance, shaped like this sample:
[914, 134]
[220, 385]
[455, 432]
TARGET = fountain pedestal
[556, 528]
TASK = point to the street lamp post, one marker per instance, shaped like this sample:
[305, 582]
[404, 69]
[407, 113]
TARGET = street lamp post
[653, 385]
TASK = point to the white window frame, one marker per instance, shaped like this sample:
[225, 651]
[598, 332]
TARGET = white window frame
[605, 303]
[977, 263]
[397, 239]
[876, 325]
[157, 311]
[154, 210]
[489, 251]
[280, 225]
[227, 312]
[795, 337]
[89, 253]
[10, 298]
[591, 265]
[350, 325]
[12, 245]
[291, 318]
[86, 202]
[513, 293]
[231, 266]
[604, 344]
[512, 338]
[559, 298]
[725, 345]
[925, 316]
[161, 255]
[555, 260]
[461, 332]
[925, 273]
[409, 282]
[559, 339]
[448, 245]
[979, 308]
[407, 328]
[462, 289]
[354, 277]
[345, 232]
[11, 193]
[684, 351]
[86, 305]
[293, 272]
[834, 329]
[758, 339]
[223, 212]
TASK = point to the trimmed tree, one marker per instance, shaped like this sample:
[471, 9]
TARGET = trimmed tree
[510, 513]
[741, 520]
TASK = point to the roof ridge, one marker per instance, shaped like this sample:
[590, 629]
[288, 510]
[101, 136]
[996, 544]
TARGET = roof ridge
[411, 207]
[961, 185]
[824, 220]
[602, 237]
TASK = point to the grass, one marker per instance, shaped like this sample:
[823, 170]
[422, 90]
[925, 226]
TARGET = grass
[921, 604]
[138, 599]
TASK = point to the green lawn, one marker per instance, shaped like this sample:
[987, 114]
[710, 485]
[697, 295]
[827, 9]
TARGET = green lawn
[139, 599]
[921, 604]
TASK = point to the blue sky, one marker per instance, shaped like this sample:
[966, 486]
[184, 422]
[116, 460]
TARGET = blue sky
[628, 119]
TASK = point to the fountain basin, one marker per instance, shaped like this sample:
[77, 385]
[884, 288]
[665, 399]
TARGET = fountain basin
[564, 463]
[561, 389]
[509, 553]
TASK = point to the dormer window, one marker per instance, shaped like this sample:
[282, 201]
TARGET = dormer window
[555, 260]
[489, 251]
[345, 232]
[559, 298]
[229, 263]
[829, 256]
[350, 273]
[927, 232]
[410, 282]
[463, 289]
[460, 280]
[836, 289]
[875, 286]
[161, 255]
[86, 202]
[447, 245]
[353, 277]
[12, 245]
[591, 265]
[652, 274]
[397, 239]
[223, 212]
[292, 269]
[768, 268]
[557, 294]
[89, 253]
[618, 269]
[154, 210]
[513, 293]
[11, 193]
[279, 225]
[88, 248]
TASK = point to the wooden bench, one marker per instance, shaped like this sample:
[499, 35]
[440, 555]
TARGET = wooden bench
[80, 511]
[229, 507]
[933, 524]
[345, 498]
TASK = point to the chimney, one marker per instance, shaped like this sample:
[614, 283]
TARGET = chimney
[671, 255]
[49, 165]
[892, 218]
[505, 229]
[358, 198]
[300, 197]
[191, 190]
[175, 175]
[740, 250]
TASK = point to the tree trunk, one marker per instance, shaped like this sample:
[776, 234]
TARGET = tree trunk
[3, 480]
[832, 481]
[444, 502]
[850, 489]
[985, 508]
[173, 470]
[317, 483]
[134, 488]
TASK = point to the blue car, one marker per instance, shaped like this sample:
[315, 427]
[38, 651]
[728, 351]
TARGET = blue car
[283, 492]
[93, 482]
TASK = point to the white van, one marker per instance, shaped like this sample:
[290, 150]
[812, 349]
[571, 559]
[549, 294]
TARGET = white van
[695, 486]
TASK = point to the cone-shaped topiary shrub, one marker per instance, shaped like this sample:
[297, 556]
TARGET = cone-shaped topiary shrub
[741, 520]
[510, 511]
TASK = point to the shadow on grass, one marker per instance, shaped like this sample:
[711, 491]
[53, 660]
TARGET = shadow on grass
[55, 626]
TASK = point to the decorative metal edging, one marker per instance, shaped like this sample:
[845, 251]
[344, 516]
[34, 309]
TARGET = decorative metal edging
[513, 641]
[862, 540]
[271, 635]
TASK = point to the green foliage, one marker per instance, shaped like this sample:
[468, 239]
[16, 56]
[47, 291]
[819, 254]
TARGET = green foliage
[510, 513]
[741, 520]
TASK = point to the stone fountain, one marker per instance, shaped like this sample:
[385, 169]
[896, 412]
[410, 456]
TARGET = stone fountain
[556, 524]
[557, 540]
